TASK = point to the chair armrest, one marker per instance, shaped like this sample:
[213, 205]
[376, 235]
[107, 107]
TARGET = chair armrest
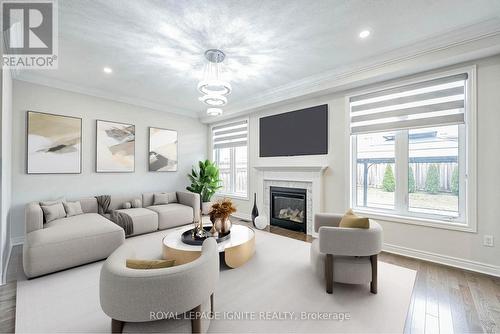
[192, 200]
[326, 219]
[33, 217]
[351, 241]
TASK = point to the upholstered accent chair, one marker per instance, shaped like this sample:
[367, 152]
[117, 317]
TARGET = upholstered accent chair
[345, 255]
[133, 298]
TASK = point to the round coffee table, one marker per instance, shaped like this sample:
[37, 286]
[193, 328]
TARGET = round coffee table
[235, 251]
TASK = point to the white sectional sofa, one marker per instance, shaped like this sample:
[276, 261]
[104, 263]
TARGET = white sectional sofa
[67, 242]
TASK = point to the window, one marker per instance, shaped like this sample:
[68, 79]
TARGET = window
[409, 152]
[230, 153]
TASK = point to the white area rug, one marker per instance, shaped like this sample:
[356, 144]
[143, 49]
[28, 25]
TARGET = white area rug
[277, 279]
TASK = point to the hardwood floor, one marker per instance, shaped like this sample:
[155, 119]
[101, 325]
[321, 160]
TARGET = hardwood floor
[444, 299]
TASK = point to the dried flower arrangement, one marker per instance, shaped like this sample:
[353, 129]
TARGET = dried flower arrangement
[222, 209]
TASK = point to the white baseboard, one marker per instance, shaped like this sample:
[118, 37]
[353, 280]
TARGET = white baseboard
[16, 241]
[243, 216]
[444, 259]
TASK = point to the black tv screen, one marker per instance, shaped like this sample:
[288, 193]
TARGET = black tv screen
[301, 132]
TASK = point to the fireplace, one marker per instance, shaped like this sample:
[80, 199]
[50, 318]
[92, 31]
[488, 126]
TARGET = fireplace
[289, 208]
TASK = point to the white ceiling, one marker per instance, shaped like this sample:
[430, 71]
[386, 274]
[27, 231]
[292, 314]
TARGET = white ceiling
[155, 48]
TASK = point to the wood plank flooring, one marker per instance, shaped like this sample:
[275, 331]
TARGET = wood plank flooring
[444, 299]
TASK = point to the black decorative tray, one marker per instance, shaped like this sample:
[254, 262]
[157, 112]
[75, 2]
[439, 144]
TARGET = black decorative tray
[187, 237]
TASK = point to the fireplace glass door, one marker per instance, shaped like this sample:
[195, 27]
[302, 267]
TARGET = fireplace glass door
[288, 208]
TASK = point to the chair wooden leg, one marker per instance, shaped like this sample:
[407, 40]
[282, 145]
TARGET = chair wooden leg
[374, 262]
[212, 304]
[329, 273]
[195, 315]
[116, 326]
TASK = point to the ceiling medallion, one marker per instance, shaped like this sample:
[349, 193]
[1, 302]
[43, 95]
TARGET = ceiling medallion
[213, 88]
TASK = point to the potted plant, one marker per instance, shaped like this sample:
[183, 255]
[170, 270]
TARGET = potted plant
[205, 182]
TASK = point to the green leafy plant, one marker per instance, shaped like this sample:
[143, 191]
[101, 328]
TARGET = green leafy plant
[388, 183]
[205, 181]
[411, 181]
[432, 179]
[455, 181]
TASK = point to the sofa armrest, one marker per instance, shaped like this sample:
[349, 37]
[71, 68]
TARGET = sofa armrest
[326, 219]
[33, 217]
[192, 200]
[351, 241]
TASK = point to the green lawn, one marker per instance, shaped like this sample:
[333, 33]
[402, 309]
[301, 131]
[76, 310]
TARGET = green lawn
[418, 200]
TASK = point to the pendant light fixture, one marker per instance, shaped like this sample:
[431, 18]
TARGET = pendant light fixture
[213, 88]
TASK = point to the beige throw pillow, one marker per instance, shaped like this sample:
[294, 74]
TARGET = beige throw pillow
[149, 264]
[160, 198]
[127, 205]
[73, 208]
[53, 212]
[352, 221]
[136, 203]
[55, 201]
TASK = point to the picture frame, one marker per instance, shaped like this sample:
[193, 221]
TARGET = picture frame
[163, 150]
[115, 147]
[53, 143]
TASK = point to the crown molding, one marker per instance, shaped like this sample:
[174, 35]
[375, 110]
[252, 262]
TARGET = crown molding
[31, 77]
[449, 48]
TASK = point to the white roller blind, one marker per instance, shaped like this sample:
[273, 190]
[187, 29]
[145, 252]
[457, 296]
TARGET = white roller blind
[230, 135]
[429, 103]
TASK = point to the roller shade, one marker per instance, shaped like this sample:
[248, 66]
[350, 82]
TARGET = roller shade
[429, 103]
[230, 135]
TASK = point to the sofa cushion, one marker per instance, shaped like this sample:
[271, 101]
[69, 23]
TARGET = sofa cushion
[53, 212]
[171, 215]
[148, 198]
[69, 242]
[73, 208]
[144, 220]
[160, 199]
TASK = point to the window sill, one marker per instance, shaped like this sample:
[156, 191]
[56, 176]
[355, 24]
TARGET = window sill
[417, 221]
[233, 196]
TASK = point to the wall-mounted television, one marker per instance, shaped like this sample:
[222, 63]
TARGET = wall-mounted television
[300, 132]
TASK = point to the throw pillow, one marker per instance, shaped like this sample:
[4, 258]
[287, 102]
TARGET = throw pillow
[73, 208]
[127, 205]
[352, 221]
[149, 264]
[53, 212]
[55, 201]
[136, 203]
[160, 198]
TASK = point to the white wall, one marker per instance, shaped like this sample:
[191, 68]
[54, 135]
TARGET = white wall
[6, 170]
[192, 137]
[431, 243]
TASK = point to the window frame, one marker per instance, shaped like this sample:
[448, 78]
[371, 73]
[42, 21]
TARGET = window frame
[467, 157]
[212, 157]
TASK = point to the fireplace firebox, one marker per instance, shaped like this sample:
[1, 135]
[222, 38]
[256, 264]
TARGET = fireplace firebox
[288, 208]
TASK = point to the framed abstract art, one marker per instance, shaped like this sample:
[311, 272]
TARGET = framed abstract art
[115, 147]
[53, 144]
[162, 150]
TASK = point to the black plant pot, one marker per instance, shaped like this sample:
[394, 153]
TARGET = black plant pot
[255, 211]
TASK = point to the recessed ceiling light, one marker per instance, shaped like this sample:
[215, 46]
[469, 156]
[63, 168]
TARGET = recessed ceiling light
[364, 34]
[107, 70]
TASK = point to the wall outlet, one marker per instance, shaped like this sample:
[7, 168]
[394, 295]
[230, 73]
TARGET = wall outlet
[488, 240]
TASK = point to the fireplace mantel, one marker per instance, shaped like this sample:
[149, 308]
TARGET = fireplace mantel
[296, 168]
[306, 176]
